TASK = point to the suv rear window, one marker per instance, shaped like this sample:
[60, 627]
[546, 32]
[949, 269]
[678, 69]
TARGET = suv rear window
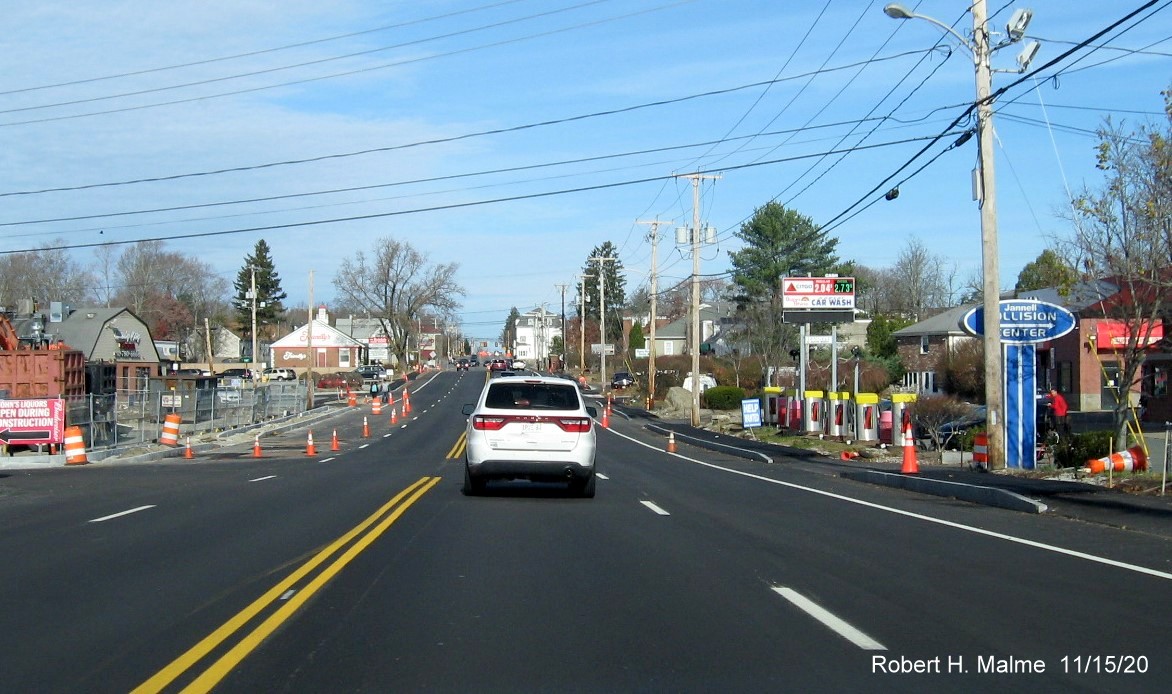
[532, 396]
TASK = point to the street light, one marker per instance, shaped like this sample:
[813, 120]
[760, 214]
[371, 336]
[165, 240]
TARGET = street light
[990, 287]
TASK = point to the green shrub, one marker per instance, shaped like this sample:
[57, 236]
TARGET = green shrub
[1077, 450]
[724, 397]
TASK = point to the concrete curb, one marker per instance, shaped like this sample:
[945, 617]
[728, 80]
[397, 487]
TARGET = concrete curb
[987, 496]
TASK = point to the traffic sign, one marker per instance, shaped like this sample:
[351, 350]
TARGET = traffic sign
[1023, 321]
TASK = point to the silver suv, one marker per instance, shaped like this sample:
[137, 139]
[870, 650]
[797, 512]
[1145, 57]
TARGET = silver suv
[279, 375]
[534, 428]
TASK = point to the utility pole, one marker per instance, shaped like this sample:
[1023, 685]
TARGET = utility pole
[653, 236]
[602, 313]
[252, 292]
[582, 325]
[309, 349]
[562, 356]
[986, 196]
[695, 239]
[990, 285]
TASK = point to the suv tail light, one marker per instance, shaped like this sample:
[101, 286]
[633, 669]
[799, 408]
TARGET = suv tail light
[573, 425]
[486, 423]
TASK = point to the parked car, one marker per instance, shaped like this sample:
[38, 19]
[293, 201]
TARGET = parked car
[518, 364]
[236, 373]
[372, 372]
[951, 433]
[622, 379]
[279, 374]
[537, 429]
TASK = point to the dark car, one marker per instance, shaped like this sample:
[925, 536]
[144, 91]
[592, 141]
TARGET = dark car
[952, 433]
[462, 365]
[236, 373]
[622, 379]
[372, 372]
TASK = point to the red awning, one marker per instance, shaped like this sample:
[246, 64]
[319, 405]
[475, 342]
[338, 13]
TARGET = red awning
[1114, 334]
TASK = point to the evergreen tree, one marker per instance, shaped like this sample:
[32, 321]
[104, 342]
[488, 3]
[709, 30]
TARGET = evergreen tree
[509, 332]
[616, 288]
[269, 295]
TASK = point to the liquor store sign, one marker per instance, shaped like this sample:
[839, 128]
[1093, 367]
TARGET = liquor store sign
[32, 421]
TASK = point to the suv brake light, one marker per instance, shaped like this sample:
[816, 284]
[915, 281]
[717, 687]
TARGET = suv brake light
[573, 425]
[486, 423]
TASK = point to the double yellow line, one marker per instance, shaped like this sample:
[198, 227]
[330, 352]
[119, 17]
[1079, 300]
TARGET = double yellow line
[373, 527]
[458, 449]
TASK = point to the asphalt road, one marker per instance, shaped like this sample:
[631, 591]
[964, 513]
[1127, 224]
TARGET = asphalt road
[366, 569]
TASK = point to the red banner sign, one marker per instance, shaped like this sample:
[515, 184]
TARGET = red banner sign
[32, 421]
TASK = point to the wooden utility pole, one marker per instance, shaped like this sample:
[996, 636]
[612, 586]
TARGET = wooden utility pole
[653, 235]
[602, 313]
[582, 325]
[696, 232]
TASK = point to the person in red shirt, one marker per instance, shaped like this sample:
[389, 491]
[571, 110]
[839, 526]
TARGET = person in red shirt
[1060, 409]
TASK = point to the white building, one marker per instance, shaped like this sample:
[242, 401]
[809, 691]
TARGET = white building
[535, 332]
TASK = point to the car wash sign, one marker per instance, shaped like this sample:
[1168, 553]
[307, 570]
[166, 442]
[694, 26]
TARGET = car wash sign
[1023, 321]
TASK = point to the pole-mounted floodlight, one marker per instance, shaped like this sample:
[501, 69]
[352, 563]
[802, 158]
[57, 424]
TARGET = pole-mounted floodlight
[1018, 22]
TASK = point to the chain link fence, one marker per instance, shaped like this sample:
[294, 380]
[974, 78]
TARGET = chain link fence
[135, 417]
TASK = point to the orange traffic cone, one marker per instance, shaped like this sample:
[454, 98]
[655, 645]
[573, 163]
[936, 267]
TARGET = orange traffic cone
[309, 449]
[376, 408]
[187, 451]
[406, 402]
[394, 415]
[606, 418]
[334, 442]
[848, 455]
[911, 466]
[391, 399]
[671, 442]
[1131, 460]
[256, 446]
[365, 428]
[351, 398]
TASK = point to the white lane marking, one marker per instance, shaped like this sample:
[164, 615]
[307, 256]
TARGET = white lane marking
[119, 515]
[919, 516]
[823, 615]
[387, 434]
[288, 594]
[262, 479]
[363, 446]
[326, 460]
[601, 476]
[655, 508]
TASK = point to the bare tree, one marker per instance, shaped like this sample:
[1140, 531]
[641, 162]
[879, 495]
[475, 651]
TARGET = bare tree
[922, 280]
[398, 285]
[171, 293]
[43, 276]
[1123, 233]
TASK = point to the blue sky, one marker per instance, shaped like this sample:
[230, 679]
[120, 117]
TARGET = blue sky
[512, 137]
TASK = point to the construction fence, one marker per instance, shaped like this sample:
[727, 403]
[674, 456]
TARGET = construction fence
[136, 417]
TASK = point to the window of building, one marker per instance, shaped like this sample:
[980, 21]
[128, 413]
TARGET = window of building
[924, 344]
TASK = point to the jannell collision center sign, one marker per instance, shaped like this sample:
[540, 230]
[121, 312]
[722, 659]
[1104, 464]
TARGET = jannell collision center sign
[1023, 321]
[32, 421]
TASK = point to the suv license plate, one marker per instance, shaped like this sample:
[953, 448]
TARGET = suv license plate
[531, 427]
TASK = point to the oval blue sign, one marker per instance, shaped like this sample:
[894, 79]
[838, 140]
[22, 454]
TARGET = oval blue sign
[1023, 321]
